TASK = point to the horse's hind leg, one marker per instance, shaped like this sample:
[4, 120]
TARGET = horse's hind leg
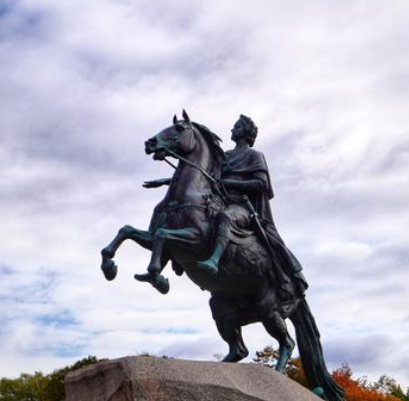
[276, 327]
[230, 331]
[229, 328]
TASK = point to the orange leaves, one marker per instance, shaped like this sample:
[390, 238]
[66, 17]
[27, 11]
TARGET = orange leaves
[358, 390]
[385, 389]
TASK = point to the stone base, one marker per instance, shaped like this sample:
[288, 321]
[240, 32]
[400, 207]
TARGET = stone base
[160, 379]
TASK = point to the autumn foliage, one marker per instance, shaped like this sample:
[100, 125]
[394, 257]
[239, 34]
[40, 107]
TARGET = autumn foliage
[385, 389]
[360, 390]
[40, 387]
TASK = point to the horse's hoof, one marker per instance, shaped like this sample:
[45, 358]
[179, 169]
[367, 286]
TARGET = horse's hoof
[319, 391]
[236, 355]
[161, 284]
[144, 278]
[158, 281]
[109, 268]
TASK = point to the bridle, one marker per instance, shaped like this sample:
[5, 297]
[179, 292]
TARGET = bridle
[218, 185]
[190, 163]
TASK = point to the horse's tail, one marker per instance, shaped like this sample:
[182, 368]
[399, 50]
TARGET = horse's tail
[312, 356]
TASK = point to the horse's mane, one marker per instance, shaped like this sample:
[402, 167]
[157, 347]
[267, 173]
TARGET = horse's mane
[213, 141]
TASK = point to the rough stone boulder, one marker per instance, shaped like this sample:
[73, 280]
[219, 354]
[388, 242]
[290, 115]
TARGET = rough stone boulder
[161, 379]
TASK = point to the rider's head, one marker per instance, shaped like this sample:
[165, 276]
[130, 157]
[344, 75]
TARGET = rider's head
[244, 128]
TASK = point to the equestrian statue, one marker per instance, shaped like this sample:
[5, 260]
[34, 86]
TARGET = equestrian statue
[215, 225]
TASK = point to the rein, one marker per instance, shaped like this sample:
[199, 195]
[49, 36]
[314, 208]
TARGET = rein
[202, 170]
[218, 185]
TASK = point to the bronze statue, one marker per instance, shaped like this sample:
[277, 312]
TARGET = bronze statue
[215, 225]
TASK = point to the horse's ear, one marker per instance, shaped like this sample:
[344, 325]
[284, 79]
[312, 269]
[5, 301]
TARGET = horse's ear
[186, 117]
[175, 119]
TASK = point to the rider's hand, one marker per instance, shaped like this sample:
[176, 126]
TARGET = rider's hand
[152, 184]
[156, 183]
[228, 183]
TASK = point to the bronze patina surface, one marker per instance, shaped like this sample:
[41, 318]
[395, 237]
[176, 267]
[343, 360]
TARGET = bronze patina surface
[215, 225]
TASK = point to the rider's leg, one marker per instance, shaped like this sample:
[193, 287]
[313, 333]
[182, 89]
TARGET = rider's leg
[233, 215]
[211, 265]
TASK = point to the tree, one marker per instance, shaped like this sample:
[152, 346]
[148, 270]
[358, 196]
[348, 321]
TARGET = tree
[25, 388]
[388, 385]
[385, 389]
[40, 387]
[269, 357]
[359, 389]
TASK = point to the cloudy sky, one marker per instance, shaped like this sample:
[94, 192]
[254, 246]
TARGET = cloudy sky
[84, 84]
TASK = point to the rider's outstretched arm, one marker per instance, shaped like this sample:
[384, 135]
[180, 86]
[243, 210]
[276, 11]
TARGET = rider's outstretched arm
[157, 183]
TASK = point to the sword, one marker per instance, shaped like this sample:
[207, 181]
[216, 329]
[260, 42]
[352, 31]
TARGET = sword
[283, 281]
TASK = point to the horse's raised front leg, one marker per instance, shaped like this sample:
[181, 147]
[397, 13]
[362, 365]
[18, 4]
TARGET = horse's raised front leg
[143, 238]
[170, 237]
[158, 281]
[162, 237]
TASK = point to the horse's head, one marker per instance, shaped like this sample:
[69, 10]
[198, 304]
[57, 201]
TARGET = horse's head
[176, 139]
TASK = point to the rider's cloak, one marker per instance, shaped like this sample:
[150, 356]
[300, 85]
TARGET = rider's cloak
[249, 165]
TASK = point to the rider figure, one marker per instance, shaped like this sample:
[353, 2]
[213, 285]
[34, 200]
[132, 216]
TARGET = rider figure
[246, 173]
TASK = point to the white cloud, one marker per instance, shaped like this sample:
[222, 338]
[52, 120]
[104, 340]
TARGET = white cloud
[83, 85]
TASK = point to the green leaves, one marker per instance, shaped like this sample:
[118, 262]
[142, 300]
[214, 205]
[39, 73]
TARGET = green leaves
[40, 387]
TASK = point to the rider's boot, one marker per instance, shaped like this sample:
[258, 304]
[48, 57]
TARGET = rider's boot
[211, 265]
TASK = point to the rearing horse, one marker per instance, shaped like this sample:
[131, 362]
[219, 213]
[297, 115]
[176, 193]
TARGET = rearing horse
[245, 289]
